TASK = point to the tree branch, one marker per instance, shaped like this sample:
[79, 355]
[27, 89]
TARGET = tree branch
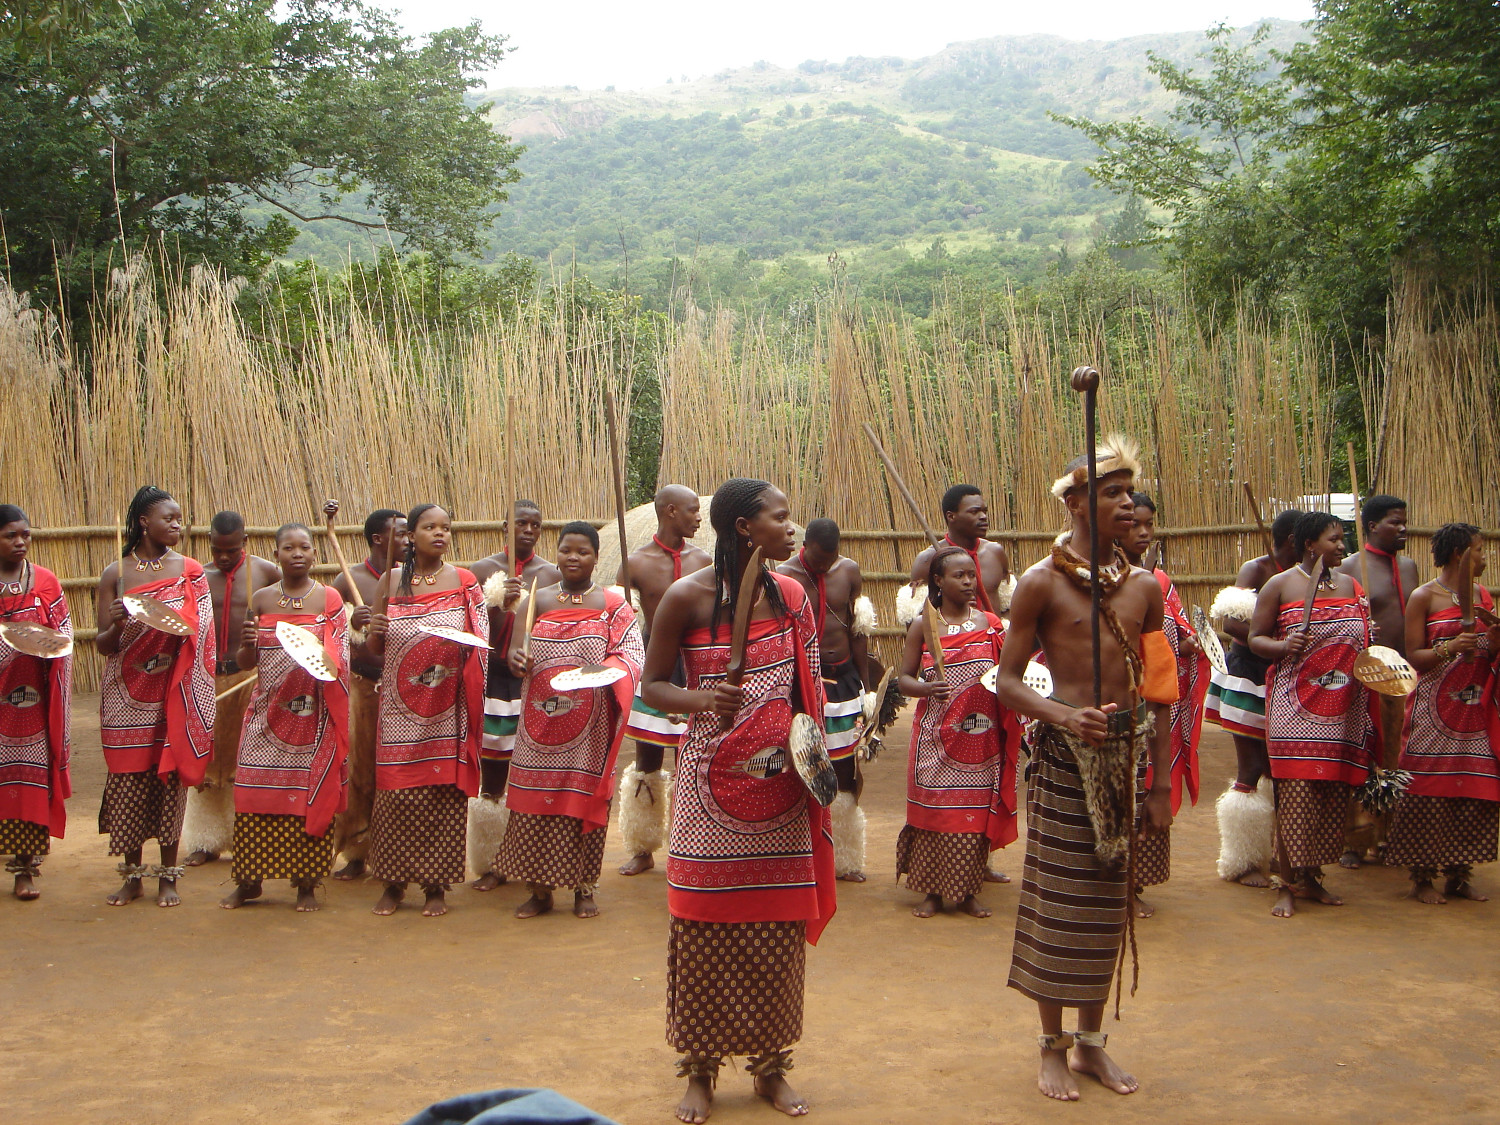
[313, 218]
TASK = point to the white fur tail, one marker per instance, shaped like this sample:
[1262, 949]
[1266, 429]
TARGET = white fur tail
[909, 604]
[645, 807]
[1245, 826]
[487, 822]
[208, 825]
[848, 835]
[494, 588]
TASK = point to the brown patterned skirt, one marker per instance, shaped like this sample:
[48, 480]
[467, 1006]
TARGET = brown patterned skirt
[141, 806]
[1153, 860]
[1442, 831]
[734, 988]
[417, 835]
[22, 837]
[277, 846]
[553, 851]
[351, 828]
[950, 864]
[1310, 820]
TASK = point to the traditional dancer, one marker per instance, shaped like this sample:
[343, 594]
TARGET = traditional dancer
[961, 772]
[1153, 854]
[208, 826]
[156, 697]
[488, 814]
[968, 518]
[1392, 578]
[845, 619]
[750, 862]
[292, 770]
[1319, 734]
[645, 787]
[1237, 702]
[1446, 819]
[568, 740]
[351, 827]
[1082, 792]
[35, 696]
[431, 716]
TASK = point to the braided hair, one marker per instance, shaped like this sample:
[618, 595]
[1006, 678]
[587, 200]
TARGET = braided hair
[938, 567]
[736, 498]
[148, 497]
[1449, 541]
[409, 560]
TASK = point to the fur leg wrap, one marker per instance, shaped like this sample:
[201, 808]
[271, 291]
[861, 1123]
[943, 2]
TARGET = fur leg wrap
[909, 604]
[1007, 589]
[208, 824]
[1235, 602]
[494, 588]
[487, 821]
[862, 624]
[645, 800]
[848, 835]
[1245, 821]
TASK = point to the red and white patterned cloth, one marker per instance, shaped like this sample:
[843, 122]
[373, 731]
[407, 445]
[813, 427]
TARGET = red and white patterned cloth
[35, 697]
[1186, 718]
[156, 700]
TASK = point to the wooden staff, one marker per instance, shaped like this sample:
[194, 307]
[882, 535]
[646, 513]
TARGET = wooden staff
[510, 483]
[383, 602]
[619, 470]
[1312, 593]
[932, 624]
[119, 560]
[1086, 381]
[1359, 523]
[1260, 523]
[338, 553]
[906, 495]
[530, 618]
[227, 692]
[739, 636]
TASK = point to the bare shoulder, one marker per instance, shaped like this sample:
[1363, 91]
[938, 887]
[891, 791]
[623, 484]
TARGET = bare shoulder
[691, 553]
[1249, 575]
[1037, 582]
[847, 566]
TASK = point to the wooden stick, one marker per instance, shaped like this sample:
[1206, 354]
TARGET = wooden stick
[119, 560]
[906, 495]
[1260, 523]
[1312, 592]
[530, 618]
[510, 483]
[1086, 380]
[932, 624]
[338, 553]
[1359, 523]
[619, 469]
[383, 602]
[739, 635]
[227, 692]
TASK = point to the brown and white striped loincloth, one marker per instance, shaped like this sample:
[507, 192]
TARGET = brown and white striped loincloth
[417, 835]
[141, 806]
[1310, 819]
[551, 850]
[1442, 831]
[734, 988]
[950, 864]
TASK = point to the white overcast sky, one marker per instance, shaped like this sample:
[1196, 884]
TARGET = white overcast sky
[627, 44]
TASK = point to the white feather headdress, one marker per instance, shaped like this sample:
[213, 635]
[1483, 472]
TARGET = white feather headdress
[1118, 454]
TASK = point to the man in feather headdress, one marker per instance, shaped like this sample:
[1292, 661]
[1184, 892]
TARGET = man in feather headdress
[1082, 795]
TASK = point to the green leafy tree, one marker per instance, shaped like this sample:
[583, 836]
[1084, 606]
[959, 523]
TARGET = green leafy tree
[166, 119]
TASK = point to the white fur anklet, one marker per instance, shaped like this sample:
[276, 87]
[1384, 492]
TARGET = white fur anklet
[645, 804]
[487, 822]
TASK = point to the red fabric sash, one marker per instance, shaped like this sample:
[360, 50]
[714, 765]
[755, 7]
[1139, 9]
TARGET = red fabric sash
[1452, 732]
[224, 630]
[424, 753]
[564, 761]
[676, 557]
[173, 734]
[820, 580]
[981, 595]
[746, 849]
[297, 764]
[960, 780]
[1186, 716]
[1395, 572]
[30, 790]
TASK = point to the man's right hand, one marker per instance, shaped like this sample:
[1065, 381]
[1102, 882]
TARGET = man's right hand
[512, 593]
[360, 618]
[1091, 723]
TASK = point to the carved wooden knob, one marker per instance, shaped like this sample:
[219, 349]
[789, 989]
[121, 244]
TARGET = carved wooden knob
[1085, 379]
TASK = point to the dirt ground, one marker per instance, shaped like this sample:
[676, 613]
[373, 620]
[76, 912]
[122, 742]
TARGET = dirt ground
[1382, 1010]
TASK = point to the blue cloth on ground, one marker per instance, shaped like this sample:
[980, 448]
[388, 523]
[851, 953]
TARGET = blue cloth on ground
[509, 1107]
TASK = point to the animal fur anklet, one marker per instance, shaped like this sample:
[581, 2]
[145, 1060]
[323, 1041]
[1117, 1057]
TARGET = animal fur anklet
[772, 1064]
[695, 1066]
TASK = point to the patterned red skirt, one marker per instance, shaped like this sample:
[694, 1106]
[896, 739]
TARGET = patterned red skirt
[734, 988]
[277, 846]
[1310, 820]
[417, 835]
[21, 837]
[1442, 831]
[141, 806]
[551, 850]
[950, 864]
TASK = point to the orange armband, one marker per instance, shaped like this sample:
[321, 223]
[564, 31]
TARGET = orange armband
[1159, 684]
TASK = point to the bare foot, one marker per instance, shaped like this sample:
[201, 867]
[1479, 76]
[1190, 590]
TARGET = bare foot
[636, 865]
[537, 904]
[242, 893]
[1254, 879]
[487, 882]
[1286, 904]
[25, 889]
[584, 906]
[1350, 859]
[928, 906]
[995, 876]
[307, 899]
[1312, 889]
[1455, 888]
[394, 893]
[1426, 892]
[199, 857]
[436, 904]
[774, 1088]
[1055, 1079]
[971, 907]
[129, 891]
[852, 877]
[1093, 1060]
[697, 1103]
[1143, 909]
[351, 870]
[166, 893]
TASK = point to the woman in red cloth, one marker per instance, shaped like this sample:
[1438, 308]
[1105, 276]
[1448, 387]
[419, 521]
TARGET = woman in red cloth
[1446, 820]
[34, 699]
[156, 699]
[750, 874]
[961, 772]
[431, 717]
[294, 746]
[567, 741]
[1319, 733]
